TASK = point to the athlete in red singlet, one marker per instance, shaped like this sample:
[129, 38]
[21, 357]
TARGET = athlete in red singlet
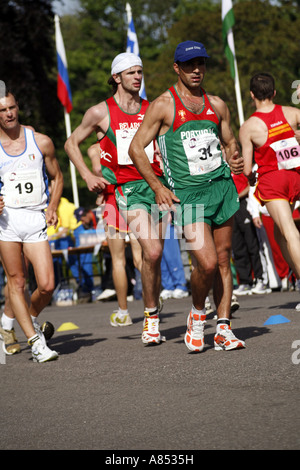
[115, 121]
[271, 135]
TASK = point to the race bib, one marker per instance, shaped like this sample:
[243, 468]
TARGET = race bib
[124, 138]
[287, 153]
[22, 188]
[202, 152]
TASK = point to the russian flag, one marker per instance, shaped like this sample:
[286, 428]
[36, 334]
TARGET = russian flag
[63, 86]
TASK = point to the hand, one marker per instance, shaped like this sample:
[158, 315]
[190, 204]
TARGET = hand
[257, 222]
[100, 199]
[236, 163]
[96, 183]
[51, 217]
[252, 179]
[165, 199]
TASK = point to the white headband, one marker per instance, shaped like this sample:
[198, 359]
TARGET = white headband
[124, 61]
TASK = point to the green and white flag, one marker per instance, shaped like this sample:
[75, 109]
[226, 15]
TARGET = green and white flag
[227, 24]
[228, 21]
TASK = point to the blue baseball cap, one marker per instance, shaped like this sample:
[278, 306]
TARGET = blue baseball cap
[188, 50]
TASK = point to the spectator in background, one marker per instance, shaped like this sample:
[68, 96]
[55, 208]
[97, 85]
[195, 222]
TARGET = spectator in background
[172, 273]
[82, 265]
[245, 245]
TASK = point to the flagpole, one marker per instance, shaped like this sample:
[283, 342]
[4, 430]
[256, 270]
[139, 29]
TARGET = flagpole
[63, 60]
[72, 166]
[236, 80]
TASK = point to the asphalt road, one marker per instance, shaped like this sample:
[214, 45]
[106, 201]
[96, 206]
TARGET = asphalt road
[108, 391]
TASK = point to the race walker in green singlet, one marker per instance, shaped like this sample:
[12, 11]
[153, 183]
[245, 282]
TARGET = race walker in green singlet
[193, 160]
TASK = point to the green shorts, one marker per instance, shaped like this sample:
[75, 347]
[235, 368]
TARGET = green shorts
[214, 202]
[138, 195]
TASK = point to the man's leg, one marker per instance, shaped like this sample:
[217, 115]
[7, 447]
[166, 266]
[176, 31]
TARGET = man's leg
[116, 245]
[200, 243]
[11, 255]
[39, 254]
[285, 232]
[222, 287]
[224, 338]
[150, 237]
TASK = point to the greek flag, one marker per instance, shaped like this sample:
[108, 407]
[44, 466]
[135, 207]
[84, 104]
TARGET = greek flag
[132, 44]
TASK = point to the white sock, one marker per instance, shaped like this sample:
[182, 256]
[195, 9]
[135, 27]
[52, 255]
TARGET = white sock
[7, 322]
[198, 312]
[151, 311]
[122, 313]
[34, 319]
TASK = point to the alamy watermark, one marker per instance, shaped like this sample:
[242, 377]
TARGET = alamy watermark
[296, 353]
[146, 225]
[296, 94]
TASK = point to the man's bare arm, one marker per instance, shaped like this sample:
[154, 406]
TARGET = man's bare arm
[231, 147]
[247, 151]
[55, 175]
[149, 129]
[91, 122]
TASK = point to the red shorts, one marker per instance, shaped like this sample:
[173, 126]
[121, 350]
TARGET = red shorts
[278, 184]
[112, 216]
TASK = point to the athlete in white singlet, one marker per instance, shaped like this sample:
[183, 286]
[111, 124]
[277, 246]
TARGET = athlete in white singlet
[27, 160]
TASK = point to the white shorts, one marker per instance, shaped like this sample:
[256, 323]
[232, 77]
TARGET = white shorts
[23, 225]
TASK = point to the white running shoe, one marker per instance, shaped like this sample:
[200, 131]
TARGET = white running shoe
[40, 351]
[225, 339]
[106, 294]
[116, 320]
[243, 289]
[297, 308]
[260, 288]
[151, 333]
[194, 336]
[166, 294]
[180, 293]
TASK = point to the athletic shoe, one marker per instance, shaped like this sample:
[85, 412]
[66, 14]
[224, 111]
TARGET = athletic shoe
[115, 320]
[180, 293]
[243, 289]
[225, 340]
[208, 306]
[151, 334]
[261, 288]
[166, 294]
[194, 336]
[10, 342]
[234, 304]
[48, 330]
[45, 332]
[106, 294]
[40, 351]
[297, 308]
